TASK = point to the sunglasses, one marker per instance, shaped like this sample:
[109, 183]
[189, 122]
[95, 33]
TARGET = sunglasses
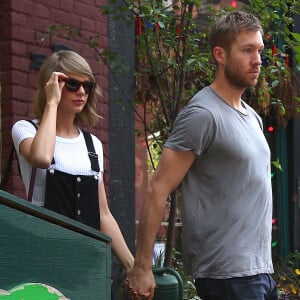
[73, 85]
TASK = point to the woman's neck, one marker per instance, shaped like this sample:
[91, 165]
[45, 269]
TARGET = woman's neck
[65, 127]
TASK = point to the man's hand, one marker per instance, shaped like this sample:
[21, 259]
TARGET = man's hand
[140, 284]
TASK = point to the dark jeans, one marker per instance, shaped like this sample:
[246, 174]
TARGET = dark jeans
[257, 287]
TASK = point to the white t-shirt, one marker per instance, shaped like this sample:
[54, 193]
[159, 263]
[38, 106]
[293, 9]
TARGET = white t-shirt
[71, 156]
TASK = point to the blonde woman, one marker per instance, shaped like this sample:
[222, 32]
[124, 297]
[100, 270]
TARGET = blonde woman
[66, 161]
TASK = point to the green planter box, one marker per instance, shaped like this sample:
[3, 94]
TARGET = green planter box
[40, 246]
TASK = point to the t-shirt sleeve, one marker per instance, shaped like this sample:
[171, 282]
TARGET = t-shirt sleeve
[22, 130]
[194, 129]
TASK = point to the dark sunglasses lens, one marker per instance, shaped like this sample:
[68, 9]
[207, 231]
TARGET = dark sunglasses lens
[88, 86]
[73, 85]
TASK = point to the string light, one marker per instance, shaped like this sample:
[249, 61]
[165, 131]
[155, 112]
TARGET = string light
[139, 25]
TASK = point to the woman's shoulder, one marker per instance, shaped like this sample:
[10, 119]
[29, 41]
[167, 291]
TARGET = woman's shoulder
[25, 127]
[96, 141]
[21, 130]
[26, 123]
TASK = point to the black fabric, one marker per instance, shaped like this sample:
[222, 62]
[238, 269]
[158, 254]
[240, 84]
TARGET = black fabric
[74, 196]
[33, 173]
[7, 169]
[91, 151]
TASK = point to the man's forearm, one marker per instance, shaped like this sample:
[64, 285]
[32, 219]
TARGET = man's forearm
[150, 222]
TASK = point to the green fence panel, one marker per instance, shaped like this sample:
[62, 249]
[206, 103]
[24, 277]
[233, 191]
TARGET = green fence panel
[40, 246]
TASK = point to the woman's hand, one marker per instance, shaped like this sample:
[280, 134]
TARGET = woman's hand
[140, 284]
[54, 86]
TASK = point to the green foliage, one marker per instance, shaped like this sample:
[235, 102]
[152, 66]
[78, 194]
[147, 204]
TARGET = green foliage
[174, 59]
[155, 150]
[169, 62]
[275, 95]
[189, 289]
[296, 49]
[173, 62]
[287, 276]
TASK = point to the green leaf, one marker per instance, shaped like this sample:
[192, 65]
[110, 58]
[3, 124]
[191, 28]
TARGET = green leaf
[161, 24]
[275, 83]
[282, 110]
[277, 164]
[296, 36]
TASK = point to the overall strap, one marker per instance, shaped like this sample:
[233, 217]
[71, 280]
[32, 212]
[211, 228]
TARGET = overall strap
[93, 156]
[33, 172]
[7, 168]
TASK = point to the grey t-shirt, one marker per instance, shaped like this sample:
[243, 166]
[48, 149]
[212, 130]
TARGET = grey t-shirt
[227, 195]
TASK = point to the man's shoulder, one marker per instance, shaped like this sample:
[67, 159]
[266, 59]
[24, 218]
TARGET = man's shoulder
[205, 98]
[204, 102]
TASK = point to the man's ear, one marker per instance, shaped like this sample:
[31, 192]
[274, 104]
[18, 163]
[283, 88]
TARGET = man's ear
[219, 55]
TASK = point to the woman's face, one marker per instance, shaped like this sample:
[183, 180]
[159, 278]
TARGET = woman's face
[75, 93]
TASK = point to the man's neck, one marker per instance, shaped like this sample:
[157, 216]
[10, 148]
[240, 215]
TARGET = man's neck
[230, 96]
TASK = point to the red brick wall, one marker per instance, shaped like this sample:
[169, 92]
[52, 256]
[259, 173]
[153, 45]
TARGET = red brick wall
[21, 25]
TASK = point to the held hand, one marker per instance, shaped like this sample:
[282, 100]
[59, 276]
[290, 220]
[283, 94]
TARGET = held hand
[140, 284]
[54, 86]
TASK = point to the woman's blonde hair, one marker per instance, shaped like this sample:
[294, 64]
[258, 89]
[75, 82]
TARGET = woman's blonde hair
[70, 62]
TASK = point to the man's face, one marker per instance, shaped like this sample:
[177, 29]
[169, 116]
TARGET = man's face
[243, 62]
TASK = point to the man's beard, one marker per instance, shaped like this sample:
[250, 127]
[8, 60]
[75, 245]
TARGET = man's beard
[237, 79]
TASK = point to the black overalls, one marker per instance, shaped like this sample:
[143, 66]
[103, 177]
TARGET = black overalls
[75, 196]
